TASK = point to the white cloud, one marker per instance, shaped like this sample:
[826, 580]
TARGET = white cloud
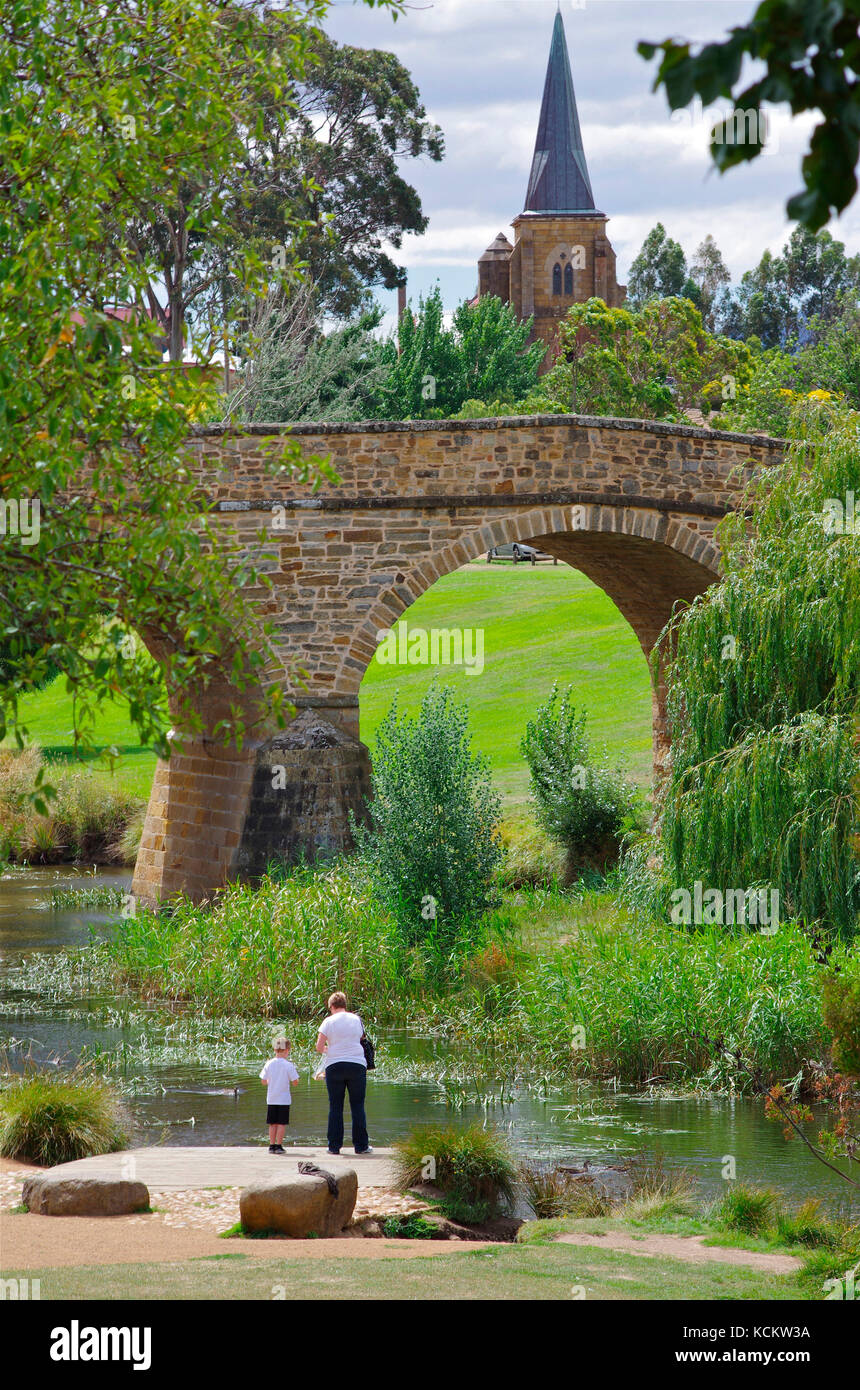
[479, 66]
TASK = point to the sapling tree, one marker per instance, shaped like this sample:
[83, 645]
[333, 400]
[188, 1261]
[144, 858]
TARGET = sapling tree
[433, 844]
[583, 803]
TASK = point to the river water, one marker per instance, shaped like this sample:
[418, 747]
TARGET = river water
[192, 1080]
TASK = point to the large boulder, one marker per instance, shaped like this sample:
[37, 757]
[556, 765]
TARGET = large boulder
[50, 1194]
[297, 1205]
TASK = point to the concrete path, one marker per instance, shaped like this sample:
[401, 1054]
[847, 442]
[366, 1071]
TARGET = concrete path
[166, 1169]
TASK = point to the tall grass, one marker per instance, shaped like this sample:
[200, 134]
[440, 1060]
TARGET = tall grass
[279, 949]
[658, 1189]
[750, 1210]
[552, 1192]
[55, 1116]
[85, 820]
[471, 1165]
[531, 858]
[612, 996]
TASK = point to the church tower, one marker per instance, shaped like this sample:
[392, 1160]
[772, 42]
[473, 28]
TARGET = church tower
[561, 254]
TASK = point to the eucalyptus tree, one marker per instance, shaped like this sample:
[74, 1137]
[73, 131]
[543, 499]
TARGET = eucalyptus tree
[104, 107]
[315, 182]
[658, 271]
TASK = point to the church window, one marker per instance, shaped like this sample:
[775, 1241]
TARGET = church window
[556, 278]
[568, 279]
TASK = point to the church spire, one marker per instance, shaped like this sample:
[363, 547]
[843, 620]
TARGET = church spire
[559, 179]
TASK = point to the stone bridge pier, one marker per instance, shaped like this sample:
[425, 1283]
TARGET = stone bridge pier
[631, 504]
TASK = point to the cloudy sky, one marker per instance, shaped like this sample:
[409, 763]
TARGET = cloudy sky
[480, 65]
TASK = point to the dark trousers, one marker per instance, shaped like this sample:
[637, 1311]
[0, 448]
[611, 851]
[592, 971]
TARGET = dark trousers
[341, 1077]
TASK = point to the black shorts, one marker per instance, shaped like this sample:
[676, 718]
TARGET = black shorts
[277, 1114]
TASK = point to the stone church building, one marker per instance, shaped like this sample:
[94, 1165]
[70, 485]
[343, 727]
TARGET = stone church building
[561, 254]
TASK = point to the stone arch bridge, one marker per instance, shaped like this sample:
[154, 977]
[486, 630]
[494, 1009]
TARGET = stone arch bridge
[632, 504]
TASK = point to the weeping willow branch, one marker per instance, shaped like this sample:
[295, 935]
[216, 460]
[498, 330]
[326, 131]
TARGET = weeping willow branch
[763, 691]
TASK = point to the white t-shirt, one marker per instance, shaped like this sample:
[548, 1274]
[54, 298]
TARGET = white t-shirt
[343, 1031]
[279, 1073]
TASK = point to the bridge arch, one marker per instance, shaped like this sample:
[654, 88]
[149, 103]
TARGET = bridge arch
[568, 534]
[632, 504]
[643, 561]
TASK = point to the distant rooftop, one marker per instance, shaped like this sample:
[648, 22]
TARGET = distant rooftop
[559, 179]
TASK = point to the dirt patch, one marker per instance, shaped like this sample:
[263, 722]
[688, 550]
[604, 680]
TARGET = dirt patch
[44, 1242]
[689, 1248]
[183, 1225]
[17, 1165]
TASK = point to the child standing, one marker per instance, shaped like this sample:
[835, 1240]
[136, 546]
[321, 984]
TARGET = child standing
[278, 1075]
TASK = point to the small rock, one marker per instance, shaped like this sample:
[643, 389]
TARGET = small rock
[366, 1226]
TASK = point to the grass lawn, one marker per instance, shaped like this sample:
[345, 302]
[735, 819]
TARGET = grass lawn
[545, 1272]
[536, 1267]
[48, 716]
[540, 624]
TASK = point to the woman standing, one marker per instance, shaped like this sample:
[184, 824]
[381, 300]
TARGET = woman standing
[339, 1041]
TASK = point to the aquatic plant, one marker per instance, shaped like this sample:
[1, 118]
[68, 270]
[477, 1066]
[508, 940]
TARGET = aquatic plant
[592, 991]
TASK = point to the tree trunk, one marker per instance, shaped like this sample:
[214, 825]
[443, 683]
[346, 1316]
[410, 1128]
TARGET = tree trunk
[175, 284]
[176, 336]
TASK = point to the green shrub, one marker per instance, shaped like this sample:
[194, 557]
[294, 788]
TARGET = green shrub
[412, 1227]
[750, 1210]
[472, 1166]
[433, 849]
[766, 402]
[840, 1006]
[586, 806]
[55, 1117]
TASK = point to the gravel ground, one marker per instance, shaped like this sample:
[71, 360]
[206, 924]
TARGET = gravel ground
[215, 1209]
